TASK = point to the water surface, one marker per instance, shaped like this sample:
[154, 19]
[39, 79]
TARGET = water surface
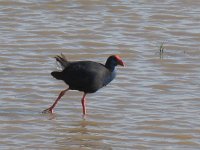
[152, 104]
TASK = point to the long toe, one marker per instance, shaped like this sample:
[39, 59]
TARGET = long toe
[48, 110]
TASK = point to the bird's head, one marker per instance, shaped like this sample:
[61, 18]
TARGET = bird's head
[113, 61]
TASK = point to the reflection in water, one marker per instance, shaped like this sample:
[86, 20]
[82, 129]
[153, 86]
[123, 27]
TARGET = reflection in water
[80, 135]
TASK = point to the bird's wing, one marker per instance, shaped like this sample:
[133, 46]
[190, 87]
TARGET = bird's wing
[80, 73]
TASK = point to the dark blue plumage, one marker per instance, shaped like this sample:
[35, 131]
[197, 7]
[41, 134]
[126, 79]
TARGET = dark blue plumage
[86, 76]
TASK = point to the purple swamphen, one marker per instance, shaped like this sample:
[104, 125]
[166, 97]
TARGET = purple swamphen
[86, 76]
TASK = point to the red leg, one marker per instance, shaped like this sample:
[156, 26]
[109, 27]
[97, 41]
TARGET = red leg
[83, 101]
[50, 109]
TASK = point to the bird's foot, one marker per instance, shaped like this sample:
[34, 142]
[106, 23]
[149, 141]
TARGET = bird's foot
[48, 110]
[84, 116]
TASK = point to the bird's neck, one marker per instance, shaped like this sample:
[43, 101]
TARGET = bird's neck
[110, 66]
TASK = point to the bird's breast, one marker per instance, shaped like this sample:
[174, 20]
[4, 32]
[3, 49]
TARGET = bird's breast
[109, 78]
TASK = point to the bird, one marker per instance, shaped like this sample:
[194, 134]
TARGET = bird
[84, 76]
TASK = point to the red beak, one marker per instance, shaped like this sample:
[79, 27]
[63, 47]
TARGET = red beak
[119, 61]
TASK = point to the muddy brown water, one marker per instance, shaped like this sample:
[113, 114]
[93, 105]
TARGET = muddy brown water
[154, 102]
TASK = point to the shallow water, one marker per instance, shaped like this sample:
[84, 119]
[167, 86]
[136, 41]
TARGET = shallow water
[152, 104]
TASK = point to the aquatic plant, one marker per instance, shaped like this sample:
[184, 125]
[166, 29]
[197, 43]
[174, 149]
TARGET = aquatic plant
[161, 49]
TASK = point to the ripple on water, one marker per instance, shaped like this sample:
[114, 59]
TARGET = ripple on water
[152, 104]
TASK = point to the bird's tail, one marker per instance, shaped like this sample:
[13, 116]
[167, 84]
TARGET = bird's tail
[57, 75]
[62, 60]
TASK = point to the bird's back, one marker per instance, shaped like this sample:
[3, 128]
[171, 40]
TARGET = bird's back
[86, 76]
